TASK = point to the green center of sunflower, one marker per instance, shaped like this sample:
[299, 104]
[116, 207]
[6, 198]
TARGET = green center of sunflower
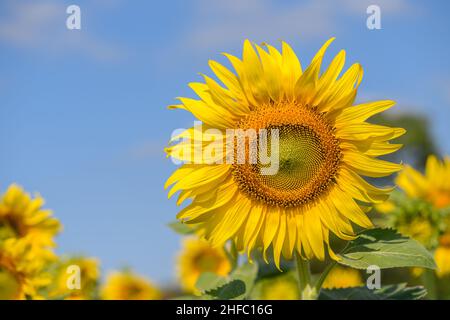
[308, 156]
[300, 157]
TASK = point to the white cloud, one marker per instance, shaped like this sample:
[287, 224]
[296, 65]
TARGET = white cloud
[223, 23]
[41, 26]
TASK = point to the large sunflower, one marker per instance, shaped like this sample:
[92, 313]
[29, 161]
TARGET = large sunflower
[325, 146]
[432, 186]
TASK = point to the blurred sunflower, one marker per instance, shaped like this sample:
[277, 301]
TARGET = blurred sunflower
[432, 186]
[325, 146]
[20, 215]
[442, 256]
[341, 277]
[282, 287]
[417, 228]
[198, 256]
[21, 270]
[64, 272]
[422, 212]
[129, 286]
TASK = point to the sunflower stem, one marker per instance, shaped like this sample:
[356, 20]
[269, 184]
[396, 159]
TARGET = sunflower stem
[324, 275]
[232, 255]
[307, 290]
[429, 281]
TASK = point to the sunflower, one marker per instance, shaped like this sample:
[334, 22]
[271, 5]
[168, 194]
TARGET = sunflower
[64, 275]
[21, 268]
[20, 215]
[341, 277]
[418, 228]
[198, 256]
[324, 147]
[432, 186]
[129, 286]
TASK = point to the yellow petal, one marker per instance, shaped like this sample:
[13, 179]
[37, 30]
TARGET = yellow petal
[329, 77]
[366, 131]
[362, 112]
[200, 176]
[369, 167]
[292, 70]
[228, 78]
[307, 83]
[347, 206]
[343, 92]
[271, 227]
[254, 73]
[231, 221]
[313, 229]
[361, 190]
[279, 239]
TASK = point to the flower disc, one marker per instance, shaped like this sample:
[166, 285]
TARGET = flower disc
[308, 157]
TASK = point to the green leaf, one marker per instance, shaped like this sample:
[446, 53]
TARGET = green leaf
[385, 248]
[235, 289]
[390, 292]
[237, 285]
[209, 281]
[246, 273]
[181, 228]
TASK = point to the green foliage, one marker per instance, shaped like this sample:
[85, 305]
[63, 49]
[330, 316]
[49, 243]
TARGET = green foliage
[391, 292]
[209, 281]
[236, 286]
[181, 228]
[385, 248]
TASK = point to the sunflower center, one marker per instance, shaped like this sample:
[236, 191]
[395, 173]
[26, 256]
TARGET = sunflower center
[132, 290]
[300, 156]
[308, 156]
[207, 262]
[440, 198]
[11, 227]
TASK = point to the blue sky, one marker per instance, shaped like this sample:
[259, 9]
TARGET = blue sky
[83, 116]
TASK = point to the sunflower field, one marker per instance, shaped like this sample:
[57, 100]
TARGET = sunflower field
[289, 182]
